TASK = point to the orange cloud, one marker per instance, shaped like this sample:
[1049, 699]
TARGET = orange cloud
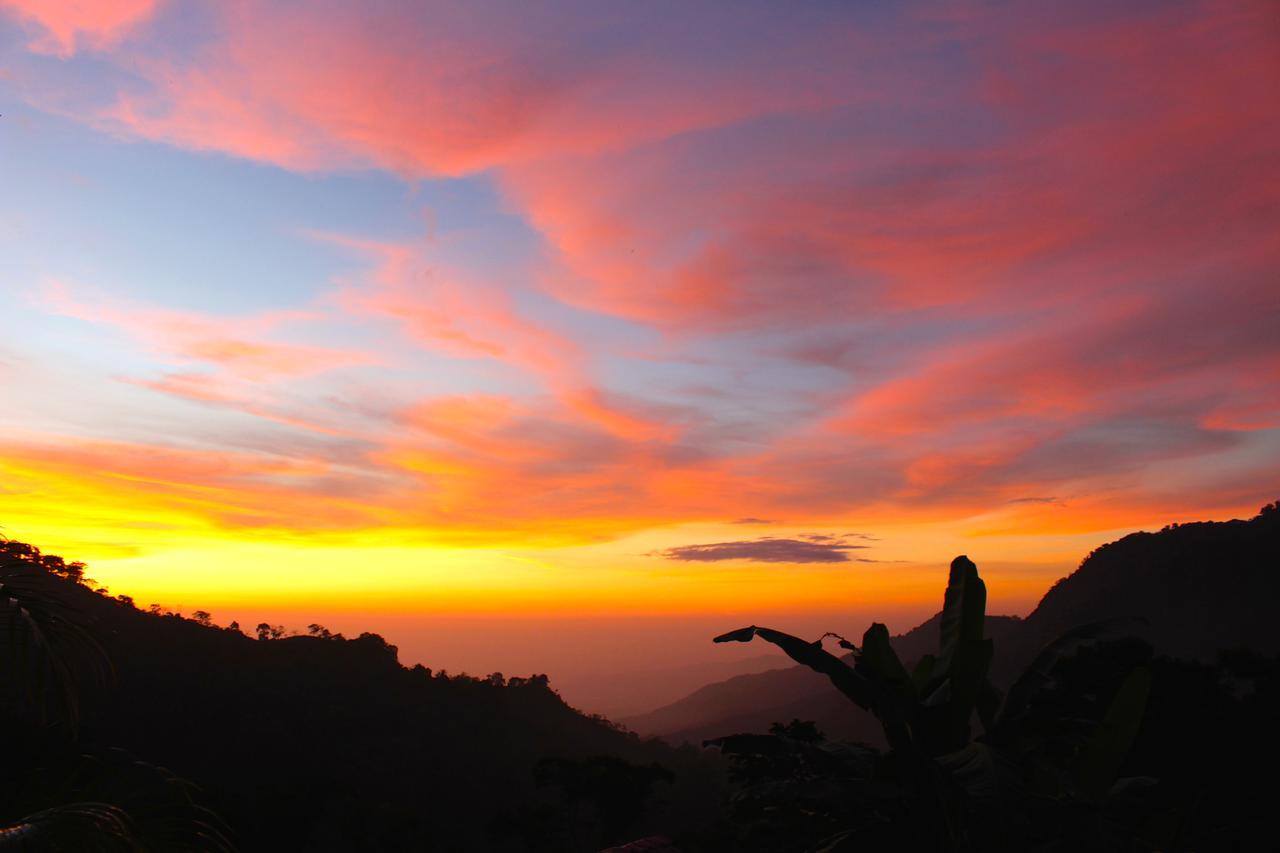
[186, 489]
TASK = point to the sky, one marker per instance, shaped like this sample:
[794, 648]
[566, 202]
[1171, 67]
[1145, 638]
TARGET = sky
[561, 336]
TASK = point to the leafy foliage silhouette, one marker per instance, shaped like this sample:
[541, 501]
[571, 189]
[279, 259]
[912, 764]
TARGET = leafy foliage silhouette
[100, 802]
[926, 714]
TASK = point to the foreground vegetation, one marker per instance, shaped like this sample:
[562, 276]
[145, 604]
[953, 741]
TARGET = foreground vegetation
[1005, 791]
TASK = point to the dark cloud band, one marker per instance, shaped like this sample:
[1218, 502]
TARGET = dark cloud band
[817, 549]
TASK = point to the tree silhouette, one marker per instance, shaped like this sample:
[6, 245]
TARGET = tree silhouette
[15, 552]
[269, 632]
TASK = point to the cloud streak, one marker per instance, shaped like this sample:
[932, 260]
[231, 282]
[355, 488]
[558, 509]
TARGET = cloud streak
[63, 26]
[818, 548]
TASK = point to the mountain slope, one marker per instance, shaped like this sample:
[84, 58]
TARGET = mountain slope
[1190, 590]
[1198, 587]
[620, 694]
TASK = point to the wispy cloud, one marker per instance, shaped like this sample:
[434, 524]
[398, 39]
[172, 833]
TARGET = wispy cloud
[239, 345]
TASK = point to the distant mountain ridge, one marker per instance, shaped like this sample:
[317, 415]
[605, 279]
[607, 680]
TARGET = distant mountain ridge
[1189, 589]
[620, 694]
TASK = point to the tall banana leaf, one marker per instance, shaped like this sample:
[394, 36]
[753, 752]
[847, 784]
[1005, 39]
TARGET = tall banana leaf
[1040, 671]
[866, 693]
[812, 655]
[1099, 763]
[957, 678]
[964, 607]
[878, 659]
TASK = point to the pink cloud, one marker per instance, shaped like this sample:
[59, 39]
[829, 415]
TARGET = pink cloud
[1113, 356]
[815, 203]
[200, 387]
[463, 316]
[441, 90]
[243, 397]
[237, 345]
[66, 25]
[1126, 152]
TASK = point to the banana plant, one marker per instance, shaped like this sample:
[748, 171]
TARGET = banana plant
[926, 711]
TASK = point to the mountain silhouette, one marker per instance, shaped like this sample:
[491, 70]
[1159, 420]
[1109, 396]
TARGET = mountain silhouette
[1190, 590]
[321, 743]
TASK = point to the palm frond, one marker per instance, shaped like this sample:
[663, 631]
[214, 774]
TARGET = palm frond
[162, 806]
[46, 652]
[89, 827]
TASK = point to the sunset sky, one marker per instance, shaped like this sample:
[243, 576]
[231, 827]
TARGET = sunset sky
[409, 313]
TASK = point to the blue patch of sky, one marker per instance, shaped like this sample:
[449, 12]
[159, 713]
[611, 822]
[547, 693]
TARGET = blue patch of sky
[183, 230]
[155, 226]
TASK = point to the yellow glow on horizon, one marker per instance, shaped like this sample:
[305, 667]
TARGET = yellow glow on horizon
[153, 539]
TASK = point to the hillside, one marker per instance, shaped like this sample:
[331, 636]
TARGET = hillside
[1190, 590]
[320, 744]
[1198, 588]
